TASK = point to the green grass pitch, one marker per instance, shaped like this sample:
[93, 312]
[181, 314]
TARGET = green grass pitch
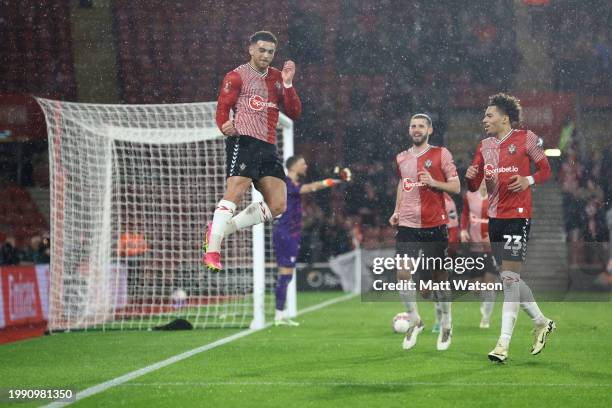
[341, 355]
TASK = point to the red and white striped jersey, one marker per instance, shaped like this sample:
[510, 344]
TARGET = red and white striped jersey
[422, 206]
[497, 160]
[255, 98]
[475, 219]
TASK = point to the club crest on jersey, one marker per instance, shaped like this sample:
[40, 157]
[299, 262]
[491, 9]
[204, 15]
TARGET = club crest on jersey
[428, 163]
[512, 148]
[257, 103]
[408, 185]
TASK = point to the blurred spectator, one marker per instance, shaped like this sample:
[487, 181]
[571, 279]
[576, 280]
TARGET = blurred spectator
[37, 252]
[9, 255]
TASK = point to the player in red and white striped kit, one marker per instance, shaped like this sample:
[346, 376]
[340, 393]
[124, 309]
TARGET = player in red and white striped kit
[420, 216]
[254, 92]
[504, 160]
[475, 233]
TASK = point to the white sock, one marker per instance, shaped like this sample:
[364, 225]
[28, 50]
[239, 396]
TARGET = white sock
[487, 304]
[409, 299]
[444, 297]
[278, 315]
[529, 305]
[253, 214]
[511, 305]
[223, 213]
[438, 312]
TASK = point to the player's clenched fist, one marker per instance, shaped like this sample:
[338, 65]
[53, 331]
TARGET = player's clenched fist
[471, 172]
[228, 129]
[394, 220]
[288, 72]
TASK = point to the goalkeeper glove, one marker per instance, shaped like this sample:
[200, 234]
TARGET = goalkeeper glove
[343, 174]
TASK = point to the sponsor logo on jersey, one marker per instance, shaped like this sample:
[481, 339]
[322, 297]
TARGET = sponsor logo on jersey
[228, 86]
[277, 85]
[408, 185]
[257, 103]
[490, 171]
[427, 163]
[512, 149]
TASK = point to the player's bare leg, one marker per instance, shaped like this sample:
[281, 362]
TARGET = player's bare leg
[236, 187]
[284, 278]
[274, 191]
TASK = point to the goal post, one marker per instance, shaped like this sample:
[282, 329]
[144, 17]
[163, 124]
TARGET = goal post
[132, 187]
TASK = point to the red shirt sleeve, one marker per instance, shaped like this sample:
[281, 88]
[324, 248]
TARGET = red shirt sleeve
[478, 162]
[536, 154]
[291, 103]
[465, 214]
[448, 164]
[228, 95]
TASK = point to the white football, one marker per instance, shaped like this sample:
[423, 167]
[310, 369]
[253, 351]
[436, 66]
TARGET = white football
[179, 298]
[401, 322]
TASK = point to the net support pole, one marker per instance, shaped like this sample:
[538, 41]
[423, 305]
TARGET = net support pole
[259, 271]
[288, 151]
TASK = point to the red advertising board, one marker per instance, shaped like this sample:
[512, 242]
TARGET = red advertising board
[22, 313]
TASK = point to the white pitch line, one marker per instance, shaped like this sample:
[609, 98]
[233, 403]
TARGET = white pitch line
[390, 384]
[179, 357]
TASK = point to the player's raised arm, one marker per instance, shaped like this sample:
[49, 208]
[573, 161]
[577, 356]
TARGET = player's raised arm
[291, 101]
[475, 172]
[228, 96]
[319, 185]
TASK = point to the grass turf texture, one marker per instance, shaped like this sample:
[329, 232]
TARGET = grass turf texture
[342, 355]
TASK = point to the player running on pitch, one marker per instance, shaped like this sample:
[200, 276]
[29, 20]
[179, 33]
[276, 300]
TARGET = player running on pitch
[288, 229]
[253, 91]
[420, 217]
[475, 232]
[504, 160]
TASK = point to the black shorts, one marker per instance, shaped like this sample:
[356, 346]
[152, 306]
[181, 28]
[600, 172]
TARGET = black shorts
[509, 238]
[489, 265]
[249, 157]
[426, 242]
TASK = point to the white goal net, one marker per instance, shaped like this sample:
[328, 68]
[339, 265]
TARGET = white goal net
[132, 187]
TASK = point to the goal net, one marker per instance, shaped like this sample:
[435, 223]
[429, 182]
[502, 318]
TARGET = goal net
[132, 188]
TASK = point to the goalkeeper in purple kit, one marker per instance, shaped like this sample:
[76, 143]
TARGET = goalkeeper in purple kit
[288, 229]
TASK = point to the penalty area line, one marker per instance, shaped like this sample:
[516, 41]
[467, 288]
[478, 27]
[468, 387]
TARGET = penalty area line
[96, 389]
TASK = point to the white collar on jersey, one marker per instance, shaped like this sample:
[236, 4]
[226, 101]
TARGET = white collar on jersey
[505, 137]
[411, 150]
[257, 72]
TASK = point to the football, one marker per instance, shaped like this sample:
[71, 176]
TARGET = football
[179, 298]
[401, 322]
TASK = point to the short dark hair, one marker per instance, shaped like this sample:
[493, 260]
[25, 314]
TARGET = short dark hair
[263, 36]
[508, 105]
[292, 160]
[423, 116]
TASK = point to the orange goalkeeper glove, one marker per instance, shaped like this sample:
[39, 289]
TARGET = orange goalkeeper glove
[343, 174]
